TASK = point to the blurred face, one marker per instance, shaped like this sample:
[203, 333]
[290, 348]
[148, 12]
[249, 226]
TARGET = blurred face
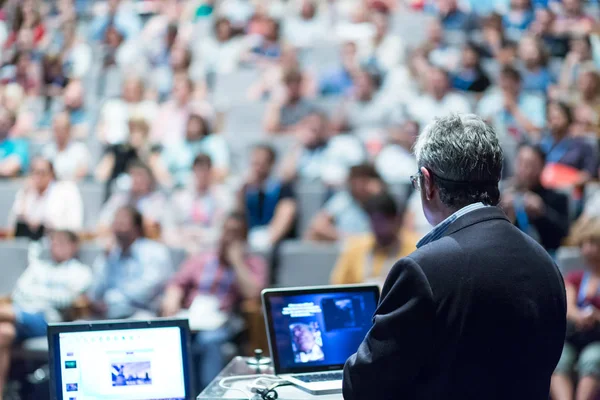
[348, 54]
[519, 4]
[41, 174]
[557, 119]
[360, 188]
[137, 137]
[73, 95]
[202, 177]
[312, 132]
[62, 248]
[141, 181]
[509, 85]
[271, 31]
[194, 129]
[308, 10]
[181, 91]
[529, 52]
[590, 250]
[62, 128]
[543, 19]
[124, 228]
[113, 37]
[435, 32]
[5, 124]
[438, 84]
[224, 31]
[179, 57]
[528, 169]
[364, 86]
[470, 59]
[447, 6]
[581, 47]
[261, 164]
[588, 84]
[132, 91]
[406, 135]
[233, 231]
[572, 6]
[381, 24]
[294, 89]
[385, 228]
[304, 339]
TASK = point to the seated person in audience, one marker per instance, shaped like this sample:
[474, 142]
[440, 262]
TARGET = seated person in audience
[340, 80]
[541, 213]
[437, 51]
[71, 159]
[534, 69]
[195, 214]
[396, 160]
[579, 58]
[586, 103]
[132, 270]
[288, 108]
[543, 27]
[44, 293]
[439, 100]
[118, 158]
[369, 257]
[518, 114]
[73, 98]
[268, 49]
[45, 204]
[517, 19]
[573, 20]
[14, 152]
[344, 213]
[216, 282]
[173, 168]
[470, 76]
[321, 154]
[581, 353]
[269, 204]
[142, 195]
[366, 109]
[561, 147]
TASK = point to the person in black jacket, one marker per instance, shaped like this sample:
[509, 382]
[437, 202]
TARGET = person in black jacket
[478, 311]
[541, 213]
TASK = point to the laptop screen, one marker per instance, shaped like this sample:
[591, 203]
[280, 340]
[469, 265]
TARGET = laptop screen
[318, 331]
[124, 364]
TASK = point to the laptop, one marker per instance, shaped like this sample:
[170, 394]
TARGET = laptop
[120, 360]
[312, 331]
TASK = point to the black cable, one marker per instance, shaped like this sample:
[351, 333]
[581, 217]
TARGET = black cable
[270, 393]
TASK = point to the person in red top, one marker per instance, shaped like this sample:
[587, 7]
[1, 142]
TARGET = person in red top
[214, 284]
[582, 344]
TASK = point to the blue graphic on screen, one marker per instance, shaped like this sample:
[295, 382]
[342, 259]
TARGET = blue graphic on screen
[320, 329]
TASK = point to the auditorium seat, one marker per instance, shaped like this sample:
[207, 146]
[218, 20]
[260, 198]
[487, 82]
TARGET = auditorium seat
[569, 259]
[303, 263]
[232, 89]
[14, 261]
[8, 191]
[92, 194]
[310, 197]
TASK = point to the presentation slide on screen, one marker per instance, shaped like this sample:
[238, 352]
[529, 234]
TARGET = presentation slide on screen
[135, 364]
[320, 329]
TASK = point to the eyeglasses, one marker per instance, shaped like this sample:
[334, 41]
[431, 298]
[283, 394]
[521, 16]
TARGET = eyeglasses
[415, 180]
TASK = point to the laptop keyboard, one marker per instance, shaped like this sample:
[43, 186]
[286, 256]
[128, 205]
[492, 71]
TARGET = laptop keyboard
[323, 377]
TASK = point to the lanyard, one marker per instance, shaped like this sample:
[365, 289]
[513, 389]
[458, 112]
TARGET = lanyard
[581, 296]
[555, 151]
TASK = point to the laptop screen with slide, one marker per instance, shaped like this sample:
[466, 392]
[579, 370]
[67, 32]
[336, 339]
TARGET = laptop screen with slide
[120, 360]
[317, 329]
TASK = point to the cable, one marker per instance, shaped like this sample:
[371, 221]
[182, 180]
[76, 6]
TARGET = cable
[270, 393]
[247, 395]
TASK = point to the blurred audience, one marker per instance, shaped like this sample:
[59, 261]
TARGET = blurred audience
[44, 204]
[14, 152]
[269, 204]
[470, 76]
[214, 283]
[396, 162]
[369, 257]
[195, 214]
[45, 292]
[131, 272]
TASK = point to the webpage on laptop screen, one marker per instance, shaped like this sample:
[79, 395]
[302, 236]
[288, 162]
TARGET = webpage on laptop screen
[131, 364]
[320, 329]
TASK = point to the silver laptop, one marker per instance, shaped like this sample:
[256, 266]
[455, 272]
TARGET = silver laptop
[313, 330]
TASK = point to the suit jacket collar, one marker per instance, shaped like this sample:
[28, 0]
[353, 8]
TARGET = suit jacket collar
[475, 217]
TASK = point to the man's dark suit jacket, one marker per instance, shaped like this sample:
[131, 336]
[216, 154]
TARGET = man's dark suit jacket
[478, 314]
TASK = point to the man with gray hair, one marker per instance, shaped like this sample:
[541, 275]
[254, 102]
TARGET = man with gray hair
[478, 310]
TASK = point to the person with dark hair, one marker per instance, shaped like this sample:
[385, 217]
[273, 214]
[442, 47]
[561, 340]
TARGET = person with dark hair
[470, 76]
[285, 112]
[142, 194]
[534, 59]
[269, 204]
[195, 214]
[131, 272]
[563, 148]
[221, 54]
[174, 165]
[344, 213]
[479, 303]
[44, 293]
[214, 283]
[369, 257]
[45, 204]
[512, 111]
[540, 212]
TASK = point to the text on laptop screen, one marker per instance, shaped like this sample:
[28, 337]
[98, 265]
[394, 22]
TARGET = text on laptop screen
[128, 364]
[320, 329]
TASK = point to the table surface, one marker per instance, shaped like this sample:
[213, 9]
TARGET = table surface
[241, 375]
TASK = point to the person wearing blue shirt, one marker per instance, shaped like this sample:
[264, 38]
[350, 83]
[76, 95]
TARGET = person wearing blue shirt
[130, 275]
[340, 80]
[121, 16]
[534, 70]
[14, 152]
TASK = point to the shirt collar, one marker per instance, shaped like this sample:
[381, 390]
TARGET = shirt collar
[440, 229]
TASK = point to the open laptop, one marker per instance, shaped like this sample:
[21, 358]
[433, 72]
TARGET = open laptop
[120, 360]
[312, 332]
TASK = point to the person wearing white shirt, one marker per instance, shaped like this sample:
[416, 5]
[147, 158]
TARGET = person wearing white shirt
[46, 204]
[386, 49]
[69, 158]
[306, 29]
[222, 53]
[396, 162]
[439, 101]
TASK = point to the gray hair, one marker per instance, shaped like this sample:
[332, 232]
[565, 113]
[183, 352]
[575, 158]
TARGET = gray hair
[465, 157]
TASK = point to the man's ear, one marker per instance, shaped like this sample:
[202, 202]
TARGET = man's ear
[427, 184]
